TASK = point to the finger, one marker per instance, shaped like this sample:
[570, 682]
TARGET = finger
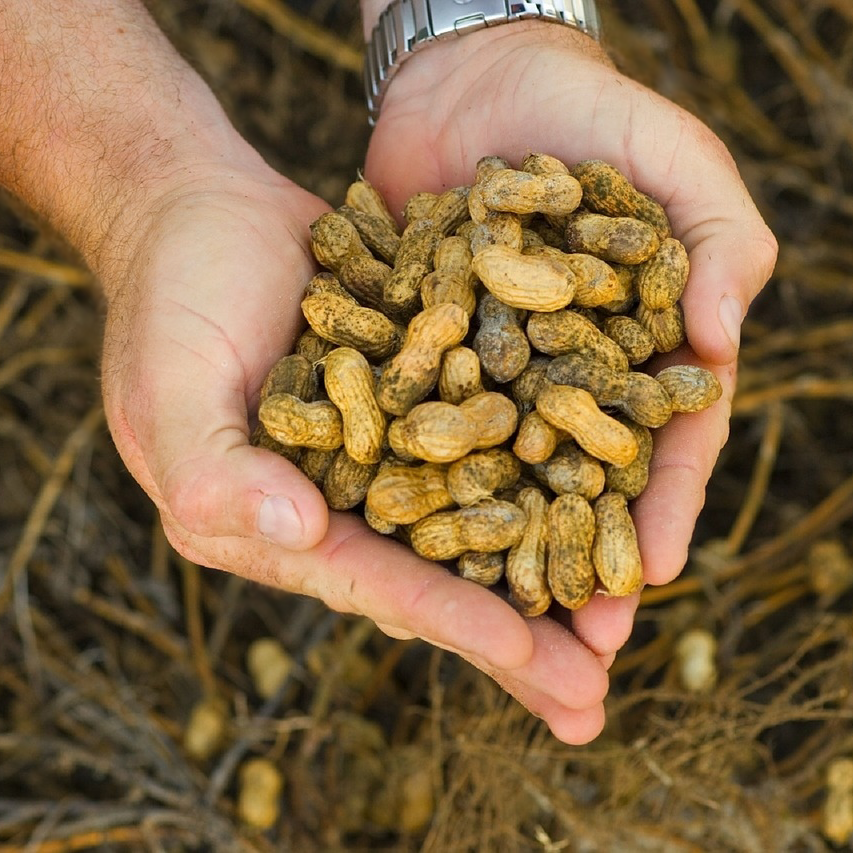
[685, 451]
[605, 623]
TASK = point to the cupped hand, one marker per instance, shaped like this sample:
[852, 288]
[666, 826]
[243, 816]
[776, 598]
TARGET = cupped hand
[208, 300]
[537, 87]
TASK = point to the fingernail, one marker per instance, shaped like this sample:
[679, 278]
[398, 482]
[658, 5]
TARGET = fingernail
[279, 521]
[731, 318]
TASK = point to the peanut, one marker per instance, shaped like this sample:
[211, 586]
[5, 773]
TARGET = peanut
[661, 279]
[530, 282]
[563, 332]
[615, 552]
[575, 411]
[452, 280]
[402, 289]
[632, 478]
[495, 416]
[334, 239]
[413, 372]
[489, 526]
[459, 377]
[571, 531]
[620, 239]
[574, 471]
[513, 191]
[631, 337]
[315, 463]
[536, 440]
[500, 341]
[596, 282]
[485, 569]
[665, 326]
[434, 432]
[449, 210]
[404, 495]
[293, 422]
[638, 395]
[349, 383]
[258, 801]
[346, 481]
[418, 206]
[310, 345]
[479, 475]
[496, 229]
[362, 195]
[525, 564]
[527, 385]
[607, 190]
[376, 232]
[690, 388]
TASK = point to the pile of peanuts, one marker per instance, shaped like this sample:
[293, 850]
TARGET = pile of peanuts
[482, 394]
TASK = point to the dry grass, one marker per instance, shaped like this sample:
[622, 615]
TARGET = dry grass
[107, 639]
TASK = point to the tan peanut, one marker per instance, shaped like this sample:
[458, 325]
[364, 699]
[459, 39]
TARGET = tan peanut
[525, 564]
[636, 394]
[418, 206]
[402, 289]
[530, 282]
[404, 495]
[666, 326]
[435, 432]
[314, 463]
[494, 414]
[573, 471]
[259, 796]
[349, 383]
[362, 195]
[500, 341]
[413, 372]
[293, 422]
[691, 388]
[459, 377]
[632, 478]
[334, 239]
[607, 190]
[571, 531]
[377, 233]
[543, 164]
[489, 526]
[364, 278]
[626, 296]
[483, 568]
[449, 210]
[631, 337]
[596, 282]
[620, 239]
[479, 475]
[575, 411]
[346, 481]
[452, 280]
[347, 324]
[615, 551]
[496, 229]
[536, 440]
[563, 332]
[311, 346]
[527, 385]
[514, 191]
[661, 279]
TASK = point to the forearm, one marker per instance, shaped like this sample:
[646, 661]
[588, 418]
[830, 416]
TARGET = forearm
[96, 108]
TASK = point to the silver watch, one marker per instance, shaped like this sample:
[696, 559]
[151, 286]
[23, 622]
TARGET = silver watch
[407, 25]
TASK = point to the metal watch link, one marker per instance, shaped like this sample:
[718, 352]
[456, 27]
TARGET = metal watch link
[408, 25]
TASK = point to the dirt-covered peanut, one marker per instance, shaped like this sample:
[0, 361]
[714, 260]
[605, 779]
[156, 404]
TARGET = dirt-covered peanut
[452, 279]
[619, 239]
[405, 494]
[631, 479]
[362, 195]
[526, 386]
[346, 481]
[479, 475]
[495, 416]
[376, 232]
[314, 463]
[615, 551]
[665, 326]
[402, 289]
[328, 283]
[596, 282]
[489, 526]
[496, 229]
[334, 239]
[311, 346]
[606, 190]
[295, 423]
[530, 282]
[364, 277]
[690, 388]
[573, 471]
[348, 380]
[571, 531]
[515, 191]
[575, 411]
[435, 432]
[500, 342]
[636, 394]
[562, 332]
[631, 337]
[481, 567]
[525, 564]
[418, 206]
[414, 370]
[459, 377]
[537, 163]
[450, 209]
[347, 324]
[661, 279]
[626, 297]
[536, 439]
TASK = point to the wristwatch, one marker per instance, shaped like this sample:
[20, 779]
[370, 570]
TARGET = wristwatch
[408, 25]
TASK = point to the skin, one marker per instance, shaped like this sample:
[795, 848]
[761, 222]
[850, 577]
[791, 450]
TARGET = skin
[110, 137]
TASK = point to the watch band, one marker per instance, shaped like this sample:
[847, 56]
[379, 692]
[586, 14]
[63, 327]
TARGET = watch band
[407, 25]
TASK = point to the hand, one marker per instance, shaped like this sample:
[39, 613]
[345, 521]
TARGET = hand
[539, 87]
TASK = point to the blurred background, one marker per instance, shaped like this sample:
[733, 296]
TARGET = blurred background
[130, 715]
